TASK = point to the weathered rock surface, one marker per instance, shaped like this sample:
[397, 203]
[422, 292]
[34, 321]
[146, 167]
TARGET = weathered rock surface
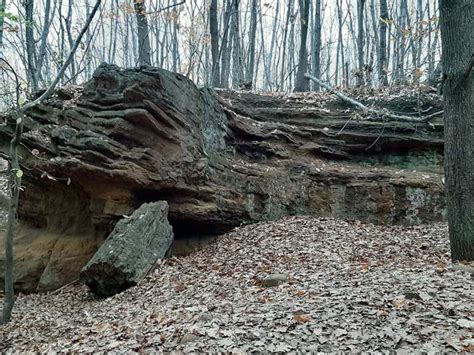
[131, 250]
[134, 136]
[273, 280]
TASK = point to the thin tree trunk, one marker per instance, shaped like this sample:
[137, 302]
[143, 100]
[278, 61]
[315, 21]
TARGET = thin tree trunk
[457, 22]
[360, 41]
[44, 40]
[401, 39]
[264, 56]
[252, 38]
[340, 44]
[375, 28]
[317, 43]
[144, 49]
[419, 23]
[30, 43]
[285, 36]
[237, 68]
[302, 83]
[226, 45]
[2, 21]
[68, 21]
[214, 32]
[176, 57]
[382, 62]
[269, 57]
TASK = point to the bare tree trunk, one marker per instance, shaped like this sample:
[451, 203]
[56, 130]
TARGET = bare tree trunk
[375, 28]
[457, 22]
[14, 184]
[2, 21]
[291, 53]
[88, 66]
[225, 46]
[30, 43]
[144, 49]
[401, 39]
[44, 40]
[237, 67]
[68, 21]
[302, 83]
[285, 36]
[273, 44]
[360, 41]
[214, 31]
[382, 62]
[176, 56]
[252, 38]
[434, 71]
[316, 56]
[114, 16]
[419, 23]
[340, 43]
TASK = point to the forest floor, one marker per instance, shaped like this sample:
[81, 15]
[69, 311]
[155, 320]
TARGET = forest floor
[351, 287]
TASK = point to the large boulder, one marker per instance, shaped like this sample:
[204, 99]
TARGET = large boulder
[130, 251]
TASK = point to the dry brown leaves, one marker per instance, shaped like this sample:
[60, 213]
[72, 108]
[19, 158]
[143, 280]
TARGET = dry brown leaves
[352, 287]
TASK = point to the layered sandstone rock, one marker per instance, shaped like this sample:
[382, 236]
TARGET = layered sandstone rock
[129, 137]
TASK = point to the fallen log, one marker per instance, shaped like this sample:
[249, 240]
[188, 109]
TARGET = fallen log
[131, 250]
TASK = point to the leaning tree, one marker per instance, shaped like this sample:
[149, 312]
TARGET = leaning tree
[457, 24]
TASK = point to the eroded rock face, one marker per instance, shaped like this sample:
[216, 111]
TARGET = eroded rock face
[134, 136]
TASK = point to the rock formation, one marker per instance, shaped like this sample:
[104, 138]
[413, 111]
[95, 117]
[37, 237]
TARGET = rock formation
[95, 153]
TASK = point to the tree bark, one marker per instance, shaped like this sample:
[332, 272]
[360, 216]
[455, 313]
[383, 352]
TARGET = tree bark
[44, 40]
[302, 83]
[144, 50]
[382, 55]
[252, 38]
[2, 21]
[30, 44]
[340, 45]
[317, 43]
[360, 41]
[285, 37]
[457, 22]
[237, 68]
[226, 44]
[214, 32]
[68, 22]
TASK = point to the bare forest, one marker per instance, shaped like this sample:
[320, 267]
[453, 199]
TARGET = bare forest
[237, 176]
[228, 44]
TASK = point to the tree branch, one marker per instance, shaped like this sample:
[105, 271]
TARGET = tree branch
[165, 8]
[366, 109]
[68, 61]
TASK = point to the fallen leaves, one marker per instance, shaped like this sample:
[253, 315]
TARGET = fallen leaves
[351, 287]
[302, 318]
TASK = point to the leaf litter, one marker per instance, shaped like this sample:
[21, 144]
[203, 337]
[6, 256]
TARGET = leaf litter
[350, 287]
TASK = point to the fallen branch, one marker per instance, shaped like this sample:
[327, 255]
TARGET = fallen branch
[366, 109]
